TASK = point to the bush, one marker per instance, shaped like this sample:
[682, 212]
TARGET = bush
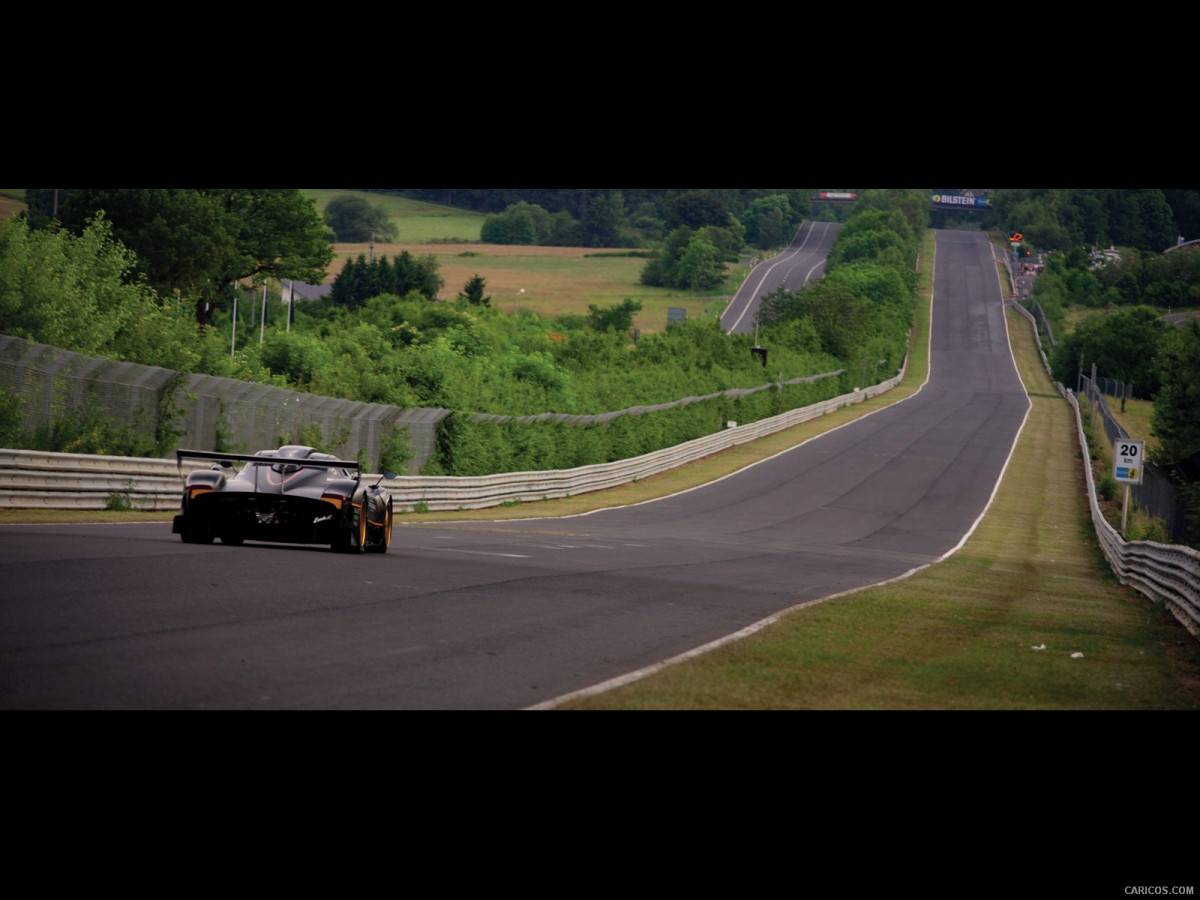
[10, 419]
[395, 452]
[1106, 486]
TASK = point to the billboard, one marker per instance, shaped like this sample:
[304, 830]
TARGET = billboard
[962, 199]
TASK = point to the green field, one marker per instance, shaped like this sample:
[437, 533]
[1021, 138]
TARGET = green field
[416, 222]
[548, 281]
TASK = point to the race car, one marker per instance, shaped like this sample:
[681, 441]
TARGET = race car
[293, 495]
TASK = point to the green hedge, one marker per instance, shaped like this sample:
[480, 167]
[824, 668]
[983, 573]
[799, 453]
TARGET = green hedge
[471, 447]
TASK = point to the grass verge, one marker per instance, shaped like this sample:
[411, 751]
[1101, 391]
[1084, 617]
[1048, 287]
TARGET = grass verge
[1027, 615]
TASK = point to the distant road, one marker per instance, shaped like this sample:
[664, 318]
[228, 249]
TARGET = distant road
[1181, 317]
[800, 263]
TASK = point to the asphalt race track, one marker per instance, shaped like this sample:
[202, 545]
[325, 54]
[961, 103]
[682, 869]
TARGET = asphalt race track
[507, 615]
[802, 262]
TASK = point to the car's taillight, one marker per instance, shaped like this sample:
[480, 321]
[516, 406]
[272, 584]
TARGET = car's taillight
[337, 500]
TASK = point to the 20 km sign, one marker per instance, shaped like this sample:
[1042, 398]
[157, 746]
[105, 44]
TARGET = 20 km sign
[1127, 461]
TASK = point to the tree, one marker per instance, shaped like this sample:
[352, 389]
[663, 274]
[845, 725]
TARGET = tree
[1124, 344]
[691, 260]
[1058, 219]
[1185, 210]
[354, 219]
[76, 292]
[521, 223]
[701, 267]
[349, 287]
[767, 229]
[415, 274]
[1176, 419]
[843, 319]
[472, 291]
[618, 317]
[771, 221]
[605, 219]
[695, 209]
[661, 269]
[199, 243]
[361, 280]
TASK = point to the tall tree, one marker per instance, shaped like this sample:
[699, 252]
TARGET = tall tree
[605, 219]
[1176, 421]
[353, 218]
[1124, 344]
[473, 291]
[1176, 418]
[361, 280]
[701, 267]
[695, 209]
[75, 292]
[202, 242]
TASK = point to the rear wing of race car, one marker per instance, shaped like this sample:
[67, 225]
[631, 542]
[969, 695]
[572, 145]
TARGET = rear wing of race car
[181, 455]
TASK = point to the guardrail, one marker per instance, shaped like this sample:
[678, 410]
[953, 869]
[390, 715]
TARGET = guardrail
[1167, 573]
[30, 479]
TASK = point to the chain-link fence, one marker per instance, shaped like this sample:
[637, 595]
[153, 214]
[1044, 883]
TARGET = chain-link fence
[1156, 495]
[1043, 324]
[604, 418]
[211, 413]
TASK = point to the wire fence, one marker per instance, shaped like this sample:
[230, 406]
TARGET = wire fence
[1157, 495]
[210, 413]
[604, 418]
[226, 414]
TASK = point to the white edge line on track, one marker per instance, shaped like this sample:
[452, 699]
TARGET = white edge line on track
[631, 677]
[778, 260]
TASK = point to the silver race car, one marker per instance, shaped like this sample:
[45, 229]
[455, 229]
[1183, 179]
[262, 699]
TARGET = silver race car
[293, 495]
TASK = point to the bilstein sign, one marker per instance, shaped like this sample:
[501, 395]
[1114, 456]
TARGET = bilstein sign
[963, 199]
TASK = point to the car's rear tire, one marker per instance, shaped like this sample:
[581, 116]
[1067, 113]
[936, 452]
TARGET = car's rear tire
[196, 532]
[360, 533]
[385, 533]
[352, 538]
